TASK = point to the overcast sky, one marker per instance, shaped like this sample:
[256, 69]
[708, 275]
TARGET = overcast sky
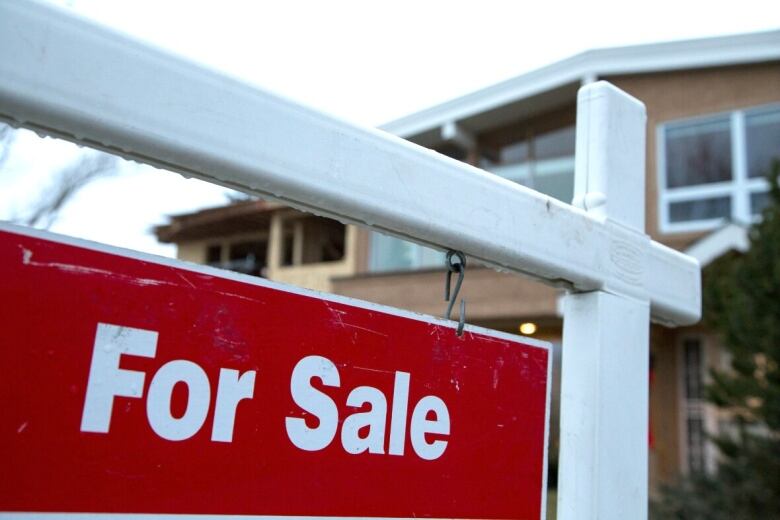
[367, 62]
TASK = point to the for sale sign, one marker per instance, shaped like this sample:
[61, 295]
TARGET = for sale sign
[134, 384]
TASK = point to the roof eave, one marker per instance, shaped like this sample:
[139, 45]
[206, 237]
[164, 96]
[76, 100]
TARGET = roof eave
[637, 59]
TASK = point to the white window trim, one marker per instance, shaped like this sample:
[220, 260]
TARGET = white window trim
[706, 411]
[738, 189]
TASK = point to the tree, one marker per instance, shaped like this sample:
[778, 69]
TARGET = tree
[67, 181]
[87, 167]
[741, 297]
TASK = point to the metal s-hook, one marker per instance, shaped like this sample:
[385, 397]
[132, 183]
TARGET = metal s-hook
[460, 268]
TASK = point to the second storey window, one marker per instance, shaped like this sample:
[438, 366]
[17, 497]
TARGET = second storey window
[713, 169]
[543, 162]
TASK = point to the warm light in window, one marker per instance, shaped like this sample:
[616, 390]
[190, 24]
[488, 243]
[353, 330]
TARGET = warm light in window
[527, 328]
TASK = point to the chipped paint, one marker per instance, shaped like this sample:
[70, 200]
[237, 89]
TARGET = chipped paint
[27, 259]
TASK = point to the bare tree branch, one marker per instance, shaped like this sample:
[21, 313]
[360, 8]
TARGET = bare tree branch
[66, 183]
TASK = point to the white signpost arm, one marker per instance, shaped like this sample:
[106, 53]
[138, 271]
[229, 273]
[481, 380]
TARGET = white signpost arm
[68, 77]
[604, 395]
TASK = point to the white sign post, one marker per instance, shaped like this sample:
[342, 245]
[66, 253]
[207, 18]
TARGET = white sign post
[70, 78]
[604, 394]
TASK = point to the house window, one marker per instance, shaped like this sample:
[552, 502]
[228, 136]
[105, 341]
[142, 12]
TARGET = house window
[248, 257]
[312, 240]
[288, 243]
[214, 255]
[393, 254]
[696, 416]
[713, 168]
[323, 240]
[543, 162]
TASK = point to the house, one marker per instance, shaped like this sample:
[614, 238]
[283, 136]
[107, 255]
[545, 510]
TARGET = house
[713, 128]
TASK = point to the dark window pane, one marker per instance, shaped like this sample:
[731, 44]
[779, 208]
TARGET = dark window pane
[698, 153]
[454, 151]
[323, 240]
[248, 257]
[213, 255]
[242, 250]
[692, 349]
[763, 141]
[703, 209]
[758, 201]
[695, 444]
[288, 242]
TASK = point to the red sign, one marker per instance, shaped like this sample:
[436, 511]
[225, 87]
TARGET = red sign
[135, 384]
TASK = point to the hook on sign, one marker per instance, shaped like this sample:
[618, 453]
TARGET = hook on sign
[459, 267]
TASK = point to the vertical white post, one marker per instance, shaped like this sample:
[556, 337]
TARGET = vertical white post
[604, 394]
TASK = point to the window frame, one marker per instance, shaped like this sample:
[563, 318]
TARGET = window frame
[225, 243]
[695, 408]
[738, 189]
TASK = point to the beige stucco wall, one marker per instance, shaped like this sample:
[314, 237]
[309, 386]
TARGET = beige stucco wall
[191, 251]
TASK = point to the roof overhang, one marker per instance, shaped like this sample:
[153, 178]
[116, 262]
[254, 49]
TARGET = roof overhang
[548, 84]
[238, 218]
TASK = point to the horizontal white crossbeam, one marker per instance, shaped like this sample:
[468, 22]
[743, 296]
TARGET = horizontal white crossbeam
[65, 76]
